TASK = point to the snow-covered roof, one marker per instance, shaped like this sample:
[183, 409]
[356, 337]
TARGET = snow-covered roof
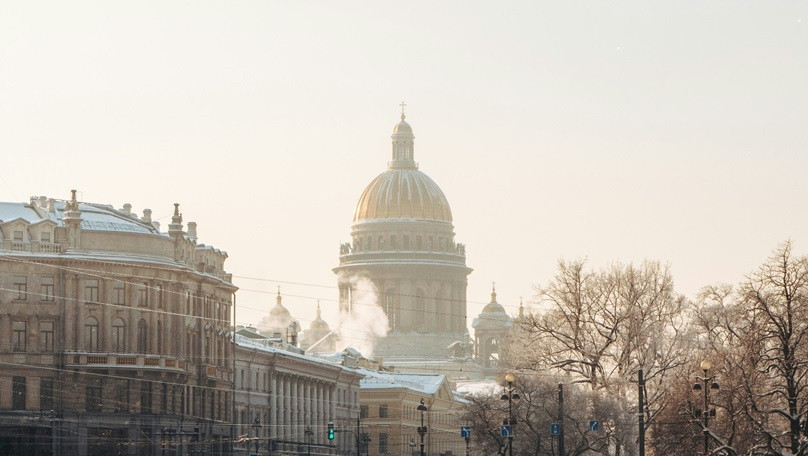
[257, 345]
[424, 383]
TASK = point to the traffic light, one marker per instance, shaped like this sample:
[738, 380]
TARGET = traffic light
[330, 430]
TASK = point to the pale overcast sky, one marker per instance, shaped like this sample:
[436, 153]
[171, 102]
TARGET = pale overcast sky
[616, 131]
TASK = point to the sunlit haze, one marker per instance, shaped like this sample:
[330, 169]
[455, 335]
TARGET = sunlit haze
[615, 131]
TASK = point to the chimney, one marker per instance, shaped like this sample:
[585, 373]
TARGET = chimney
[51, 205]
[146, 216]
[192, 229]
[156, 225]
[127, 209]
[43, 200]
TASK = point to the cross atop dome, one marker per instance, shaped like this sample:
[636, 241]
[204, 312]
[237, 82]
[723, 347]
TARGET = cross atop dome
[403, 105]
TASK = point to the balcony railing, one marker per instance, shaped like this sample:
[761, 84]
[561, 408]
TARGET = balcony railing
[138, 361]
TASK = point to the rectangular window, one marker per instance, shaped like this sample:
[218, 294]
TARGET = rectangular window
[17, 235]
[46, 289]
[383, 443]
[143, 296]
[45, 237]
[20, 288]
[159, 296]
[18, 393]
[145, 397]
[91, 291]
[121, 402]
[46, 335]
[383, 411]
[164, 398]
[363, 411]
[92, 395]
[46, 394]
[119, 294]
[18, 333]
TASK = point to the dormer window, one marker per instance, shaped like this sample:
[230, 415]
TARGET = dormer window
[18, 235]
[45, 236]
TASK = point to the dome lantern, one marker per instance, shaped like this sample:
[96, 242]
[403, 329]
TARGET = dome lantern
[403, 145]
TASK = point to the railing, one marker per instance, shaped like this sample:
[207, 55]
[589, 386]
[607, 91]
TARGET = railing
[212, 372]
[33, 246]
[80, 359]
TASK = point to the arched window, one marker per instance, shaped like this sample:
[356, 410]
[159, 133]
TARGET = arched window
[91, 334]
[118, 335]
[142, 336]
[159, 337]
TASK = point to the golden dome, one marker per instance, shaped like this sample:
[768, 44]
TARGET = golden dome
[403, 194]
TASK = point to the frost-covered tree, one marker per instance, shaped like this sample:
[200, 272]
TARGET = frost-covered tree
[600, 327]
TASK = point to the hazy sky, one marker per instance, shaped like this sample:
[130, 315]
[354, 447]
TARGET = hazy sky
[616, 131]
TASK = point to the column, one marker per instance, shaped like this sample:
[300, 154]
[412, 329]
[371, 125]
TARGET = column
[286, 413]
[273, 411]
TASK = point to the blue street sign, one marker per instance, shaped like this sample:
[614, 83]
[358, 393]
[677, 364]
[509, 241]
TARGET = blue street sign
[555, 428]
[594, 425]
[465, 432]
[506, 431]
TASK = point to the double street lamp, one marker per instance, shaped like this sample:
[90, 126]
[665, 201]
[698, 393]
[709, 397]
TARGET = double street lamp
[422, 429]
[510, 395]
[705, 413]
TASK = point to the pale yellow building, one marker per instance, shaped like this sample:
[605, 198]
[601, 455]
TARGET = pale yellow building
[390, 417]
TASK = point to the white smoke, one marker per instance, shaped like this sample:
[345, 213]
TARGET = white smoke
[361, 328]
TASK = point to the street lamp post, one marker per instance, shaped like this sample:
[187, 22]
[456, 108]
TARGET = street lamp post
[510, 395]
[256, 427]
[706, 412]
[422, 429]
[309, 432]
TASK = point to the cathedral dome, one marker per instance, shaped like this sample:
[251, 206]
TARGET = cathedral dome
[318, 322]
[402, 127]
[403, 193]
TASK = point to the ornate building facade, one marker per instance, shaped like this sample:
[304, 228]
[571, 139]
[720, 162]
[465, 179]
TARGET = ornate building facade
[403, 241]
[285, 400]
[115, 335]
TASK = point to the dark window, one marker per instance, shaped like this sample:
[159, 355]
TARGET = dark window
[142, 336]
[20, 288]
[164, 398]
[159, 337]
[145, 397]
[92, 394]
[91, 334]
[121, 402]
[363, 411]
[383, 411]
[143, 296]
[46, 335]
[18, 393]
[46, 394]
[383, 443]
[18, 335]
[118, 335]
[91, 291]
[119, 294]
[159, 292]
[46, 289]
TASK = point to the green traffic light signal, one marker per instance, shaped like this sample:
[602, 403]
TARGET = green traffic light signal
[330, 431]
